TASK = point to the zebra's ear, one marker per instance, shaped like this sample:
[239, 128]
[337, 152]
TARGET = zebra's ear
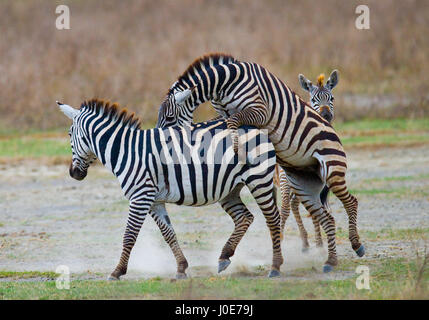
[67, 110]
[182, 96]
[305, 83]
[333, 80]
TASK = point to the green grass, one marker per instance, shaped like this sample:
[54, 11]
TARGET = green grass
[35, 147]
[383, 125]
[393, 192]
[397, 178]
[27, 274]
[407, 234]
[384, 191]
[381, 132]
[355, 133]
[385, 139]
[390, 279]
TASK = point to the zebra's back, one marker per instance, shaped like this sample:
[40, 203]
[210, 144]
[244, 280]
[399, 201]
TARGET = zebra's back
[294, 128]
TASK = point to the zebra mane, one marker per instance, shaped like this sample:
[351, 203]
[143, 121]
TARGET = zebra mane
[206, 61]
[113, 111]
[320, 80]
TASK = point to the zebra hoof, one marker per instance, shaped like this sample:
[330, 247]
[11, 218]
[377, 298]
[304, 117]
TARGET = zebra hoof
[274, 274]
[361, 251]
[181, 276]
[112, 278]
[223, 264]
[305, 249]
[327, 268]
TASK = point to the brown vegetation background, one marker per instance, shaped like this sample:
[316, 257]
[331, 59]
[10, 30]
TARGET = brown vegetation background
[132, 51]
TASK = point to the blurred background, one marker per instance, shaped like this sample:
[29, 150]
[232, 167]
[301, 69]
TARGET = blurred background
[132, 51]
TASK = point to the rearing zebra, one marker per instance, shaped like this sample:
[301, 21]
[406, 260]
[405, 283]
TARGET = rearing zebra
[306, 145]
[321, 100]
[192, 165]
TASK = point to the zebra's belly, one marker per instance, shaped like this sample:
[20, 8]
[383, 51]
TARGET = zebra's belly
[290, 158]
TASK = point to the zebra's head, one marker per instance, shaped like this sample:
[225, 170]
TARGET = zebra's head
[82, 156]
[174, 110]
[321, 98]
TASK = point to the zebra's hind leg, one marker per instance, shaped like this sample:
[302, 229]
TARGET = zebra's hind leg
[264, 199]
[302, 231]
[242, 218]
[324, 198]
[338, 187]
[334, 172]
[307, 186]
[317, 233]
[160, 215]
[137, 214]
[319, 213]
[328, 225]
[254, 114]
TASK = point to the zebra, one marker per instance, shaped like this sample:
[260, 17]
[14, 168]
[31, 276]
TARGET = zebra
[306, 145]
[192, 165]
[321, 100]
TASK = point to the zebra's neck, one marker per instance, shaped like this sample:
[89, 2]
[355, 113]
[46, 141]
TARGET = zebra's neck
[208, 80]
[112, 142]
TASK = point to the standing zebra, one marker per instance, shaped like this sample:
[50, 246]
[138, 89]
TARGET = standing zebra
[193, 165]
[306, 145]
[321, 100]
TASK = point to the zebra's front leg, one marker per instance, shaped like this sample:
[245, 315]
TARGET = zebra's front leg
[254, 114]
[137, 214]
[242, 220]
[160, 215]
[302, 232]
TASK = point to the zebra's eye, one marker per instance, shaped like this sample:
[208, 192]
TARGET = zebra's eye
[332, 99]
[313, 100]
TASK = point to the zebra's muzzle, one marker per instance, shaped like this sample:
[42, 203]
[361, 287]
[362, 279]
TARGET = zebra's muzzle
[326, 114]
[76, 173]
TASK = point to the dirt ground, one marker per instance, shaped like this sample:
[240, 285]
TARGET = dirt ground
[48, 219]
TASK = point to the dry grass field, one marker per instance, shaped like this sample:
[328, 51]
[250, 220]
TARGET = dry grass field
[131, 52]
